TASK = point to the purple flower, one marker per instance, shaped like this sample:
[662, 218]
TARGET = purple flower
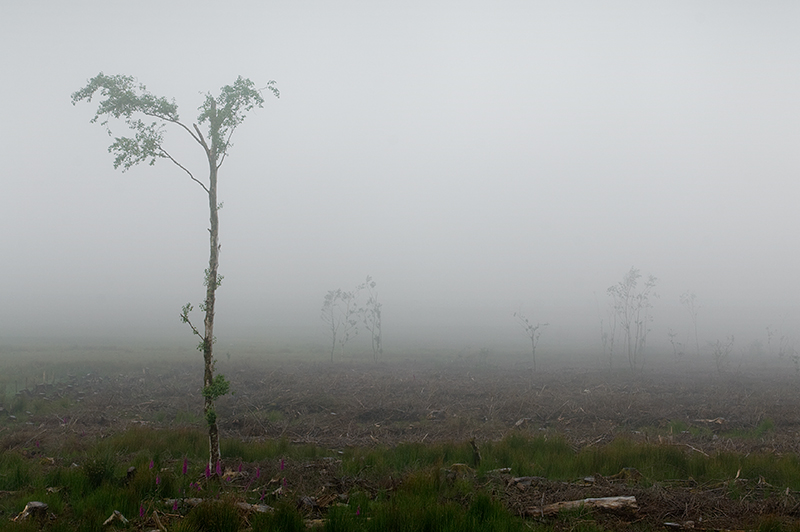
[158, 480]
[185, 466]
[258, 472]
[151, 464]
[175, 506]
[141, 510]
[37, 444]
[208, 470]
[219, 469]
[240, 467]
[284, 482]
[358, 510]
[281, 464]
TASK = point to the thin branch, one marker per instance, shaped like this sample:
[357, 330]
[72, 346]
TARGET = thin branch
[168, 156]
[173, 121]
[227, 143]
[201, 139]
[185, 318]
[188, 130]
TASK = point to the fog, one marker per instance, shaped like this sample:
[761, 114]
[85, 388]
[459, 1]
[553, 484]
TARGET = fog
[474, 158]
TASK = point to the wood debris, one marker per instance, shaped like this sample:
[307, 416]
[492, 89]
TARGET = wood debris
[601, 503]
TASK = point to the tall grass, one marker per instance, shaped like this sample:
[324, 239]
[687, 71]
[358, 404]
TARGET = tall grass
[84, 487]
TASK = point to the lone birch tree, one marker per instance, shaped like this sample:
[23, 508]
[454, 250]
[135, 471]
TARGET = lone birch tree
[149, 117]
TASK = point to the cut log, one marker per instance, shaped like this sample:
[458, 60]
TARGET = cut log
[32, 509]
[602, 503]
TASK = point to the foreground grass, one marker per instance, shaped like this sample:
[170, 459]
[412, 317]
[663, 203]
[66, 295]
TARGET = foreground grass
[402, 488]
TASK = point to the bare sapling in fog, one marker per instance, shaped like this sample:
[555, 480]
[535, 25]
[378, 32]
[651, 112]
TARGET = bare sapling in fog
[340, 314]
[677, 347]
[689, 301]
[150, 117]
[786, 349]
[371, 317]
[770, 335]
[533, 332]
[632, 308]
[721, 351]
[608, 331]
[785, 345]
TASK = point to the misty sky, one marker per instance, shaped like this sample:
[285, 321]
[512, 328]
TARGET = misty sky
[473, 157]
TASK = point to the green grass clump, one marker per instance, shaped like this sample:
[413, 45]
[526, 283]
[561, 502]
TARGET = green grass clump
[211, 516]
[381, 461]
[285, 518]
[269, 449]
[759, 431]
[425, 503]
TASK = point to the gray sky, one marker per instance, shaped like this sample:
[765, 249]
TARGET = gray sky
[473, 157]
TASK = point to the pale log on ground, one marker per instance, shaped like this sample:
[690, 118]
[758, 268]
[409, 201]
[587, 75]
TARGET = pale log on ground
[602, 503]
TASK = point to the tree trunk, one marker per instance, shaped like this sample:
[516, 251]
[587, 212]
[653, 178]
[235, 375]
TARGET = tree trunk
[211, 289]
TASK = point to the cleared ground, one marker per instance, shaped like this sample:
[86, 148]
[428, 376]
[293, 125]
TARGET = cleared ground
[445, 399]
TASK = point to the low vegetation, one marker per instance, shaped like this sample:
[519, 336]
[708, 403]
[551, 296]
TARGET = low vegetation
[159, 478]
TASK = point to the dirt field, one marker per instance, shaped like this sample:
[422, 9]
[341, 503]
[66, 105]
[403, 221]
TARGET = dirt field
[346, 404]
[343, 404]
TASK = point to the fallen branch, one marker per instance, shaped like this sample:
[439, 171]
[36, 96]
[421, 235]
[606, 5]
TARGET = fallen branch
[602, 503]
[161, 527]
[116, 516]
[695, 449]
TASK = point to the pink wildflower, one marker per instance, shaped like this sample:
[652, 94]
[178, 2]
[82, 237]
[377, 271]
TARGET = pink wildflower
[185, 466]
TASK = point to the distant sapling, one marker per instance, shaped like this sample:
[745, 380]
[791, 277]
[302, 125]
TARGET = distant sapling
[371, 316]
[689, 300]
[721, 351]
[339, 312]
[533, 332]
[632, 307]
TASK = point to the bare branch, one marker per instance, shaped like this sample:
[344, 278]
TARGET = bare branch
[201, 139]
[184, 126]
[179, 165]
